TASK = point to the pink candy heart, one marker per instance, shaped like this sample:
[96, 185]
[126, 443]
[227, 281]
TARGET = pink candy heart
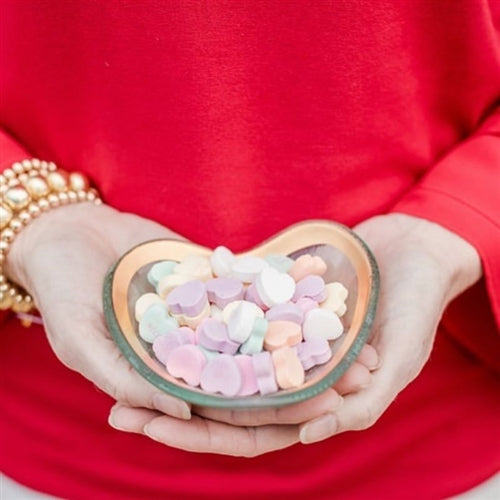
[222, 374]
[186, 362]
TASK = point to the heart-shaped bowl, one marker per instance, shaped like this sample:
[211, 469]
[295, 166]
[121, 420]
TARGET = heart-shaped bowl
[348, 259]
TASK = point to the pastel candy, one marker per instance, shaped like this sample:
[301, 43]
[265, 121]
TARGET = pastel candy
[144, 302]
[280, 262]
[229, 309]
[281, 334]
[195, 266]
[193, 321]
[189, 299]
[322, 323]
[208, 353]
[286, 312]
[222, 374]
[312, 287]
[337, 295]
[306, 265]
[306, 304]
[168, 283]
[213, 335]
[255, 342]
[186, 362]
[287, 368]
[156, 321]
[222, 291]
[251, 295]
[314, 351]
[264, 372]
[216, 313]
[241, 321]
[165, 344]
[274, 287]
[160, 270]
[221, 261]
[248, 268]
[248, 378]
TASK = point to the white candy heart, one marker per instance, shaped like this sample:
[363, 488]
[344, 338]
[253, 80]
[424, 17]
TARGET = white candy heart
[229, 309]
[274, 287]
[196, 266]
[241, 322]
[322, 323]
[221, 260]
[247, 269]
[144, 302]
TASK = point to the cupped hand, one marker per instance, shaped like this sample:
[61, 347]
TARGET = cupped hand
[61, 258]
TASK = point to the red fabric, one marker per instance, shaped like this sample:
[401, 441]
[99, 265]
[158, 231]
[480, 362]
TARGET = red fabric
[243, 117]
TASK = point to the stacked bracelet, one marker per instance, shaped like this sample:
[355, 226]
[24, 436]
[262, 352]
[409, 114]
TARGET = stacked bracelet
[28, 189]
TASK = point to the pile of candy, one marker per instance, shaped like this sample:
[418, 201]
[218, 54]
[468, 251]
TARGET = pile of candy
[240, 326]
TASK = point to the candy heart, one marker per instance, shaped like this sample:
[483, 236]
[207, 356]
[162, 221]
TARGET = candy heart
[213, 335]
[222, 374]
[144, 302]
[264, 372]
[241, 322]
[156, 321]
[229, 309]
[337, 295]
[248, 378]
[168, 283]
[195, 266]
[306, 304]
[188, 299]
[280, 262]
[222, 291]
[165, 344]
[287, 368]
[322, 323]
[216, 313]
[314, 351]
[286, 312]
[255, 342]
[251, 295]
[248, 268]
[221, 260]
[160, 270]
[274, 287]
[312, 287]
[193, 321]
[186, 362]
[306, 265]
[281, 334]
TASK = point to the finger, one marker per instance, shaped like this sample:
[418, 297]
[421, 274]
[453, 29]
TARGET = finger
[327, 401]
[355, 378]
[369, 357]
[208, 436]
[127, 419]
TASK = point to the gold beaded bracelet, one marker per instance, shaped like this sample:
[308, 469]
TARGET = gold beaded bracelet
[28, 189]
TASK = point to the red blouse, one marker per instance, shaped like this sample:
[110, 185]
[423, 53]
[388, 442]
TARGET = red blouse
[227, 121]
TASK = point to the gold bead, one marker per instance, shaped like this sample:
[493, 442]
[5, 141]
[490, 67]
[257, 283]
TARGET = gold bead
[98, 201]
[72, 197]
[53, 200]
[12, 292]
[23, 177]
[63, 198]
[44, 164]
[43, 204]
[4, 246]
[17, 168]
[78, 182]
[91, 196]
[58, 181]
[24, 216]
[82, 195]
[37, 187]
[34, 210]
[5, 301]
[7, 235]
[17, 198]
[5, 216]
[23, 307]
[3, 279]
[13, 182]
[3, 189]
[27, 165]
[35, 163]
[16, 225]
[9, 173]
[4, 287]
[52, 166]
[3, 180]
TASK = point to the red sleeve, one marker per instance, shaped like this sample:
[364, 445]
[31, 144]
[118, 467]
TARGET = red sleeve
[462, 193]
[10, 151]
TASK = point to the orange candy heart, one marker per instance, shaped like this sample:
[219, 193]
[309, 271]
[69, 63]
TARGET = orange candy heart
[306, 265]
[282, 334]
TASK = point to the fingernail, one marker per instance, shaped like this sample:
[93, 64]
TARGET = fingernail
[318, 429]
[148, 433]
[377, 365]
[112, 420]
[172, 406]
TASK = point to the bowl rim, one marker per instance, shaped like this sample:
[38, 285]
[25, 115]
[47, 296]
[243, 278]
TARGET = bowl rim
[368, 288]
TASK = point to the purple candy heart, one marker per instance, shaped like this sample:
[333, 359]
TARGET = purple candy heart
[221, 374]
[222, 291]
[312, 287]
[165, 344]
[314, 351]
[212, 334]
[249, 379]
[264, 371]
[251, 295]
[189, 299]
[286, 312]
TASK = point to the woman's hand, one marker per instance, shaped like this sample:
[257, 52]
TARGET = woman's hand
[61, 258]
